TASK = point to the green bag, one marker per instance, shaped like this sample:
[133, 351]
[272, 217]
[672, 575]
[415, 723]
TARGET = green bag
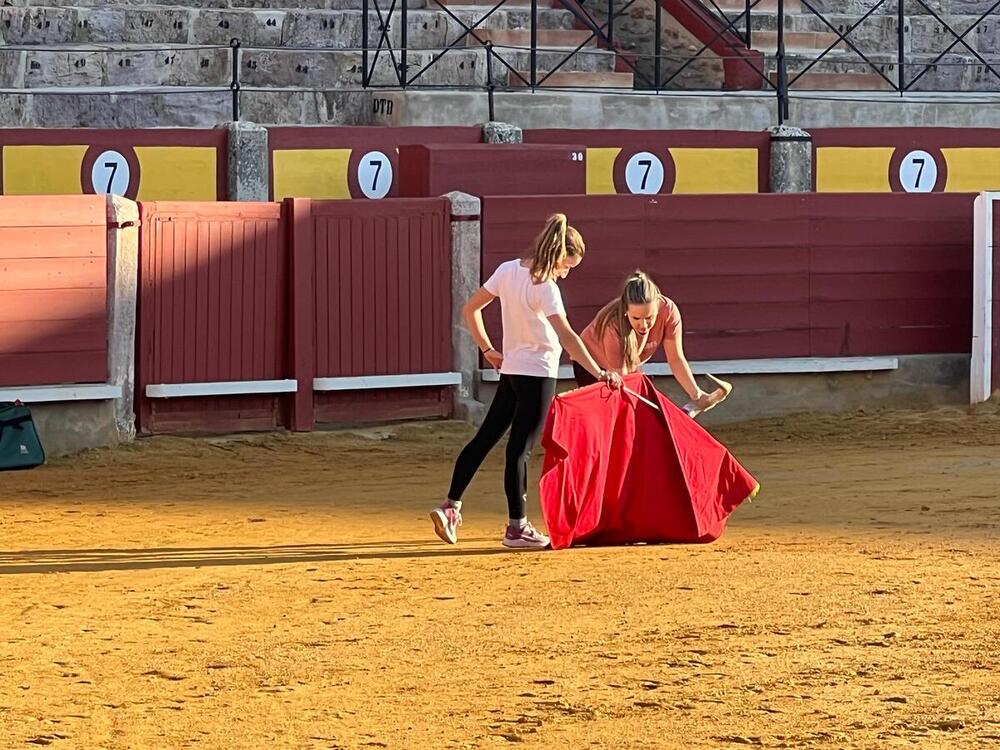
[20, 447]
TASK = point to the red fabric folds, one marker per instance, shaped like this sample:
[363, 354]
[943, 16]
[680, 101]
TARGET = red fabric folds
[618, 471]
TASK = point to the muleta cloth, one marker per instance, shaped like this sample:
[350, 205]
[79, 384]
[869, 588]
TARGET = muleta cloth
[618, 471]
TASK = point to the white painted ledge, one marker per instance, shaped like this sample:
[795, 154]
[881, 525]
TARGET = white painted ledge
[233, 388]
[40, 394]
[786, 366]
[379, 382]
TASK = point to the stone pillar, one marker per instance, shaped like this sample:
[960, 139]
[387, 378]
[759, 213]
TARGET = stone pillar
[123, 273]
[465, 261]
[248, 177]
[791, 160]
[502, 132]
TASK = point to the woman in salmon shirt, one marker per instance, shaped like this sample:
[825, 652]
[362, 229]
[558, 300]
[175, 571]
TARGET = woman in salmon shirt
[628, 331]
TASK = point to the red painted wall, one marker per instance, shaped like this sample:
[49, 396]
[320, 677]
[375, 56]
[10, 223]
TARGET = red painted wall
[383, 304]
[760, 276]
[213, 307]
[53, 290]
[303, 289]
[490, 169]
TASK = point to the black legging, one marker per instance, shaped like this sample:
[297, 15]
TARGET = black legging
[521, 403]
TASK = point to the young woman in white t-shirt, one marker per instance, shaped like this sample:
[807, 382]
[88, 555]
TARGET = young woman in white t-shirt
[535, 331]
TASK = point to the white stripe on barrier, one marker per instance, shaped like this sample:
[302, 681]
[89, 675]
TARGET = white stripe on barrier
[980, 373]
[38, 394]
[232, 388]
[789, 365]
[377, 382]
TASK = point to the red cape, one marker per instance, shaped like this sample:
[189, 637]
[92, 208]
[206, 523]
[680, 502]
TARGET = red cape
[618, 471]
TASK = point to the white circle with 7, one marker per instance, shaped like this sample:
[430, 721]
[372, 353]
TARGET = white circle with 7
[644, 173]
[110, 174]
[375, 175]
[918, 172]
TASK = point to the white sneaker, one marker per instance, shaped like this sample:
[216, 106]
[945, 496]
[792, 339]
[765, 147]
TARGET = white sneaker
[527, 537]
[446, 522]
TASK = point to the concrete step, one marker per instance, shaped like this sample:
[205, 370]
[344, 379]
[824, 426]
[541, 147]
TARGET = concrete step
[834, 81]
[796, 41]
[132, 66]
[587, 60]
[270, 28]
[486, 4]
[514, 17]
[549, 39]
[576, 79]
[211, 4]
[122, 65]
[761, 6]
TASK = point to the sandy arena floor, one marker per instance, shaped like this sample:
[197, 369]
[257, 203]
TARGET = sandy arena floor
[286, 591]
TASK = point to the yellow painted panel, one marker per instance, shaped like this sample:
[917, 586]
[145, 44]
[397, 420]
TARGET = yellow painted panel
[42, 170]
[601, 170]
[177, 173]
[971, 170]
[319, 173]
[716, 170]
[853, 170]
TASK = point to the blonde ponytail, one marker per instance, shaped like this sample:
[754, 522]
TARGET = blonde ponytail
[557, 241]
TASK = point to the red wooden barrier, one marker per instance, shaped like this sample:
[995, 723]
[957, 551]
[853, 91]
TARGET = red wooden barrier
[213, 308]
[246, 309]
[762, 276]
[53, 290]
[383, 304]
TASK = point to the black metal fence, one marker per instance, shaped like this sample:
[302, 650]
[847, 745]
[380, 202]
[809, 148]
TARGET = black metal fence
[758, 43]
[892, 46]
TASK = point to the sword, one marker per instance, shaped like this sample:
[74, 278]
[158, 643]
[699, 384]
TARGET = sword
[641, 398]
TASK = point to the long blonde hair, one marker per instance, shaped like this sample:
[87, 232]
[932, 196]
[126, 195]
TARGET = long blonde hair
[556, 242]
[639, 289]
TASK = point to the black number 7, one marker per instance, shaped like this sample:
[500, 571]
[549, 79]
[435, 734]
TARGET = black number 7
[377, 163]
[113, 166]
[647, 163]
[919, 171]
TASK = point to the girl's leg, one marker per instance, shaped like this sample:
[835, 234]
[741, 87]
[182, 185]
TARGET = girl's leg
[497, 420]
[533, 398]
[583, 378]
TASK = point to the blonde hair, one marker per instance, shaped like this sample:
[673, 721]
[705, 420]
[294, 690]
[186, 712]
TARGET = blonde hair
[556, 242]
[639, 289]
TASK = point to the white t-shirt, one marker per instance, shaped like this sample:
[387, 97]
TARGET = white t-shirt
[530, 343]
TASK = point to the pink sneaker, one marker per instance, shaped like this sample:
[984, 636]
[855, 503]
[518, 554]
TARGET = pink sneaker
[527, 537]
[446, 522]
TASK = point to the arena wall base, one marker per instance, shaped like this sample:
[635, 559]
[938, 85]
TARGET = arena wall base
[916, 382]
[67, 427]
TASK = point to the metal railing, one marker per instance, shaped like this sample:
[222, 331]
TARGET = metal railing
[759, 50]
[725, 34]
